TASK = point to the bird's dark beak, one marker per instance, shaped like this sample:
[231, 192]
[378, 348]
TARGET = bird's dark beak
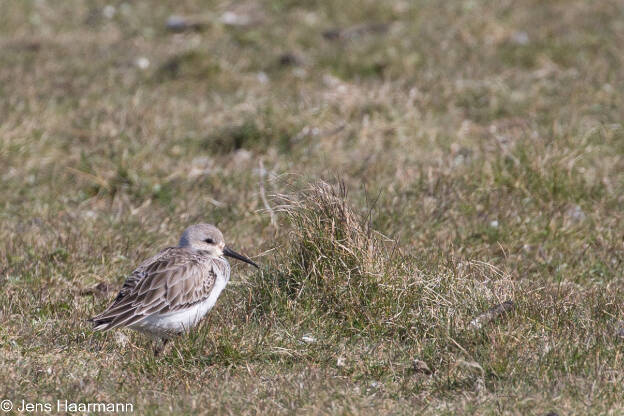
[231, 253]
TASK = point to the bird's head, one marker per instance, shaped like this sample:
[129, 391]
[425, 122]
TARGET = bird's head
[207, 237]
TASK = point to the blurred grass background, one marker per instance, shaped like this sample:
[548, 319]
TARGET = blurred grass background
[482, 147]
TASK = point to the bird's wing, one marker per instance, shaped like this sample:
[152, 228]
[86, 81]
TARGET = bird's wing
[174, 280]
[140, 273]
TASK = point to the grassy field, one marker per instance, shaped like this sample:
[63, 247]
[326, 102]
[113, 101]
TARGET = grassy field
[397, 168]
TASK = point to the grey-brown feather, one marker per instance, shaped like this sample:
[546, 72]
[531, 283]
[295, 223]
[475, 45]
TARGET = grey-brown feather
[174, 279]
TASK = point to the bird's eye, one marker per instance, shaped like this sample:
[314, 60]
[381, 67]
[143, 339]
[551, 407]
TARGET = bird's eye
[209, 241]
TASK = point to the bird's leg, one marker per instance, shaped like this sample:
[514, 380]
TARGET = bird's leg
[160, 346]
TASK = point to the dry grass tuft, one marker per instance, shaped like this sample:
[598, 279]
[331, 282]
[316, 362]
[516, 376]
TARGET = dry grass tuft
[334, 263]
[328, 233]
[335, 258]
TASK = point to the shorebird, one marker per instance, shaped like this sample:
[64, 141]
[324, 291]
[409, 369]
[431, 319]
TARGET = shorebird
[170, 293]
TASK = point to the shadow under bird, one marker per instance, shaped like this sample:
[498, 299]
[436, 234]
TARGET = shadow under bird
[171, 292]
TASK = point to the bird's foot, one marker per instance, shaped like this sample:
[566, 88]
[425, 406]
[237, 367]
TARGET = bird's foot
[162, 347]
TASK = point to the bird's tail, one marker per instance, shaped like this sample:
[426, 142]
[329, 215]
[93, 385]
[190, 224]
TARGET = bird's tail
[100, 324]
